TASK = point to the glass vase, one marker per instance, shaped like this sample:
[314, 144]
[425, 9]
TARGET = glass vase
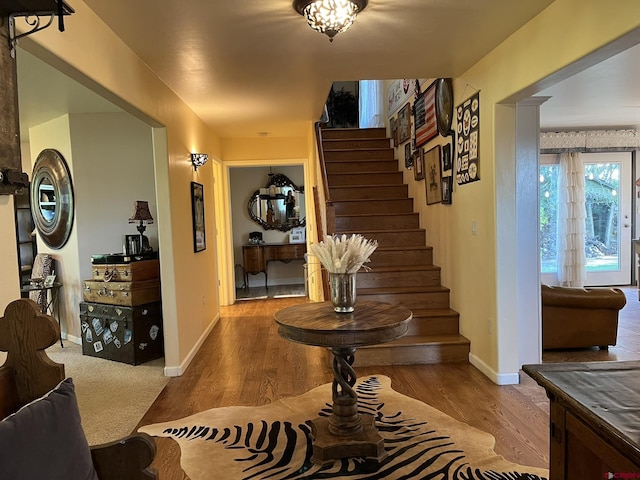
[343, 291]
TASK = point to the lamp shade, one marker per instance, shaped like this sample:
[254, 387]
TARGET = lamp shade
[141, 212]
[199, 159]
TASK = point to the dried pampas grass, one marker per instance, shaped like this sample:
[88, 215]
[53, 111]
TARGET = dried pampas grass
[344, 254]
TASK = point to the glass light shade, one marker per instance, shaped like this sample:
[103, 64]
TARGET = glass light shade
[330, 16]
[199, 159]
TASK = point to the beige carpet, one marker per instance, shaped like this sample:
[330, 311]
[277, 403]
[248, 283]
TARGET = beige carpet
[112, 396]
[272, 441]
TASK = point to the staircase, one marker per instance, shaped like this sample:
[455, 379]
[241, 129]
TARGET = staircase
[370, 198]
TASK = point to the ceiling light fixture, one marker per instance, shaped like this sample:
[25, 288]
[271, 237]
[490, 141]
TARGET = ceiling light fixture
[329, 16]
[199, 159]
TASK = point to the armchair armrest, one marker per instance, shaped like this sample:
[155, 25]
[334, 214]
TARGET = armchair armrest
[125, 459]
[608, 298]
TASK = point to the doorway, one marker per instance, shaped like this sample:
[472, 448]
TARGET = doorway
[608, 212]
[285, 278]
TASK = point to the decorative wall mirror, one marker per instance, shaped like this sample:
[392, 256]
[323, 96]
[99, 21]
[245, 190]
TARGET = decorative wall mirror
[52, 198]
[279, 205]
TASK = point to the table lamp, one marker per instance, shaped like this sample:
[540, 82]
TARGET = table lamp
[142, 214]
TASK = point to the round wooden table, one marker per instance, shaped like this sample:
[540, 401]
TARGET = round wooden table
[346, 433]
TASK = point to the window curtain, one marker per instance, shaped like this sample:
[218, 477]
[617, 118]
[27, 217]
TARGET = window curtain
[370, 103]
[572, 261]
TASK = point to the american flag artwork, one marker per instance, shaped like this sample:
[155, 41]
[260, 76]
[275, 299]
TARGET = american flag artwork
[424, 109]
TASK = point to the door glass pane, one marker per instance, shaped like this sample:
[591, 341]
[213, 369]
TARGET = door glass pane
[602, 227]
[548, 217]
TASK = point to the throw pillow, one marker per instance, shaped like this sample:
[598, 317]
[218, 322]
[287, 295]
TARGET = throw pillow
[44, 439]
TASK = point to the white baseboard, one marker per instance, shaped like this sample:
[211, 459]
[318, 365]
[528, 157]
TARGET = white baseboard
[72, 339]
[176, 371]
[495, 377]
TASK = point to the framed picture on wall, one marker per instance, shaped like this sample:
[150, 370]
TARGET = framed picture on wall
[404, 123]
[408, 155]
[418, 164]
[197, 212]
[447, 165]
[432, 175]
[447, 187]
[393, 126]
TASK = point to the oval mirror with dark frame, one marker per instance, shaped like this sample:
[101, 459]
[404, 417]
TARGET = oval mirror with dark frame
[52, 198]
[279, 205]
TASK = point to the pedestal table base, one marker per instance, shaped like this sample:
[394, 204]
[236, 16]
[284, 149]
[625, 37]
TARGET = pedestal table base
[346, 433]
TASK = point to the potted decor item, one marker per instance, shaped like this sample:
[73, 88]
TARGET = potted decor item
[343, 256]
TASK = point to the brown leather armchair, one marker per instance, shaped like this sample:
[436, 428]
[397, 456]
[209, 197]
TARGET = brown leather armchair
[580, 317]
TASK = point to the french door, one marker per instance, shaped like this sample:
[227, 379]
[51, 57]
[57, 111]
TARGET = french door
[608, 227]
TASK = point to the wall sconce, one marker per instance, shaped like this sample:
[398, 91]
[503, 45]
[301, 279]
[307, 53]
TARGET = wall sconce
[329, 16]
[199, 159]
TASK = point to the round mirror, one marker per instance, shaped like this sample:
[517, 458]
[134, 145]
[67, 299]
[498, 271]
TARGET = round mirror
[278, 206]
[52, 198]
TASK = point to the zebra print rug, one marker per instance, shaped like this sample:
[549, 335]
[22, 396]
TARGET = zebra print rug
[272, 441]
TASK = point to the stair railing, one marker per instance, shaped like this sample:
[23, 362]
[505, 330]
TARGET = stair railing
[325, 220]
[330, 216]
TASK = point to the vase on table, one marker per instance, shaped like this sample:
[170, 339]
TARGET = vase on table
[343, 291]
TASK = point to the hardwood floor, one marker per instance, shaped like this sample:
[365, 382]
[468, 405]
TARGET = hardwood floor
[274, 291]
[245, 362]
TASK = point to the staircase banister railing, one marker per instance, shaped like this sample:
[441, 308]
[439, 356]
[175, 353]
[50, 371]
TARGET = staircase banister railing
[329, 216]
[323, 168]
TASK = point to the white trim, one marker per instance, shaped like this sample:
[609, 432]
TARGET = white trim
[495, 377]
[180, 369]
[72, 338]
[226, 268]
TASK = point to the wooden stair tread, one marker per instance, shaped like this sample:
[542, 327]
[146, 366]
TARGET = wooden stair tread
[401, 268]
[372, 149]
[433, 312]
[369, 200]
[375, 185]
[423, 340]
[401, 248]
[377, 172]
[412, 289]
[396, 230]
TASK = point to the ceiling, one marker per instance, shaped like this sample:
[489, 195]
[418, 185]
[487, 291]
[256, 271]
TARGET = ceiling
[249, 67]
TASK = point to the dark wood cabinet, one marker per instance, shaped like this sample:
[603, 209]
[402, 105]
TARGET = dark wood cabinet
[594, 408]
[256, 258]
[26, 242]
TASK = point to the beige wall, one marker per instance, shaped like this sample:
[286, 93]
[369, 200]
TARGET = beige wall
[56, 134]
[9, 280]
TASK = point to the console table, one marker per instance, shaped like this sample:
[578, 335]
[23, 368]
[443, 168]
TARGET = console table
[257, 257]
[594, 418]
[346, 432]
[51, 305]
